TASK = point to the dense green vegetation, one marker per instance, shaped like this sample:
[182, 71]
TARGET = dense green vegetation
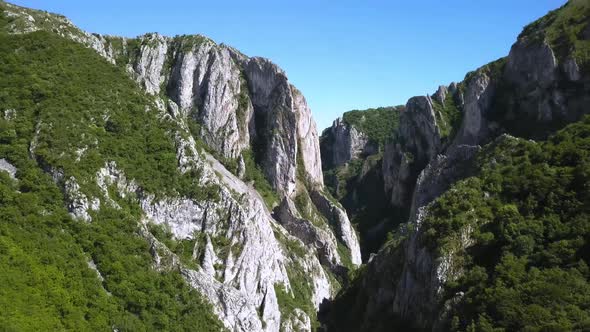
[86, 114]
[80, 110]
[378, 123]
[529, 210]
[46, 283]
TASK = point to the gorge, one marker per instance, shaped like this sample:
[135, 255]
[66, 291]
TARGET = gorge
[173, 183]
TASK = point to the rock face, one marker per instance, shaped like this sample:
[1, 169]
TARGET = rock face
[342, 143]
[338, 218]
[298, 322]
[543, 88]
[8, 168]
[238, 102]
[309, 148]
[276, 123]
[477, 103]
[150, 63]
[418, 141]
[311, 235]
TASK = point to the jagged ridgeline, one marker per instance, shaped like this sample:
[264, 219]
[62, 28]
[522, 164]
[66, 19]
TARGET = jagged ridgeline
[158, 183]
[493, 179]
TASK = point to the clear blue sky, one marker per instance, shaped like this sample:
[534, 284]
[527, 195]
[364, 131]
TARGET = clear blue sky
[342, 54]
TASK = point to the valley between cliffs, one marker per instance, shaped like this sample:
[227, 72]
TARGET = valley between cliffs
[173, 183]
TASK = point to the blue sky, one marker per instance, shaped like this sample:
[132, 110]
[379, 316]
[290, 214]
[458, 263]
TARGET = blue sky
[343, 54]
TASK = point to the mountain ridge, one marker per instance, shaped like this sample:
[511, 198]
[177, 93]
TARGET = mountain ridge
[208, 100]
[189, 188]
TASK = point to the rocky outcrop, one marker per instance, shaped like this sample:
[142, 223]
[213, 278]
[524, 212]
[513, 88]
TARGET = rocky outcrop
[339, 220]
[309, 148]
[205, 83]
[342, 142]
[311, 235]
[441, 173]
[8, 168]
[543, 88]
[149, 64]
[79, 205]
[418, 141]
[476, 126]
[244, 281]
[298, 321]
[276, 123]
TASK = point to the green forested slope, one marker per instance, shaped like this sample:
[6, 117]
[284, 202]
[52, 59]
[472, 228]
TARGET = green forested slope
[76, 101]
[529, 209]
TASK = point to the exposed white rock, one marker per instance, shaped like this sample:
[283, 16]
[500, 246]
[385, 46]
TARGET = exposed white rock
[538, 86]
[345, 143]
[93, 267]
[298, 321]
[419, 141]
[77, 202]
[150, 62]
[8, 167]
[531, 64]
[273, 103]
[309, 148]
[205, 83]
[209, 258]
[441, 173]
[441, 94]
[9, 114]
[478, 98]
[343, 228]
[320, 239]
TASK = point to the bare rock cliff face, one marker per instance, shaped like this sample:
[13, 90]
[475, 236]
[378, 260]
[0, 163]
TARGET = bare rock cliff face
[343, 143]
[418, 141]
[544, 88]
